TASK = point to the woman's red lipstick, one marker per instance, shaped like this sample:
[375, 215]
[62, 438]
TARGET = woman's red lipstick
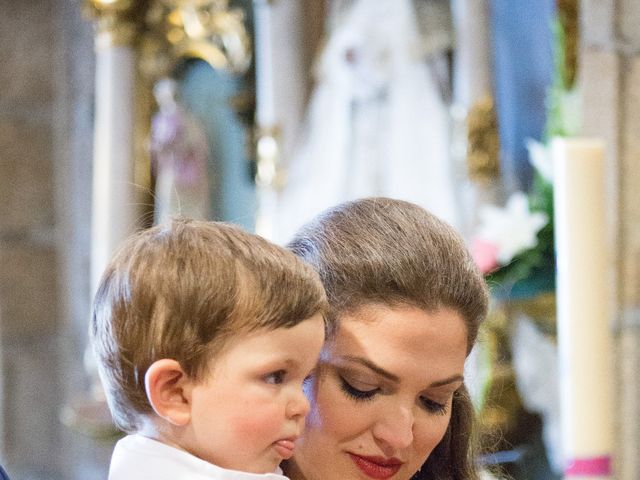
[378, 468]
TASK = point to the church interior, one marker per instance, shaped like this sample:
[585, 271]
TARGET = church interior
[516, 122]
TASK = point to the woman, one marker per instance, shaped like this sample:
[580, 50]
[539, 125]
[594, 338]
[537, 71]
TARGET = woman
[388, 399]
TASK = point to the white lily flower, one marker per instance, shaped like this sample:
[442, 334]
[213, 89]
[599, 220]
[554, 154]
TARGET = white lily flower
[513, 228]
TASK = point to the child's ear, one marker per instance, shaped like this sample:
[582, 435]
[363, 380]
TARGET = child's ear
[168, 388]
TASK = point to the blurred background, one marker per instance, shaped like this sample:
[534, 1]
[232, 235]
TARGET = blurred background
[116, 114]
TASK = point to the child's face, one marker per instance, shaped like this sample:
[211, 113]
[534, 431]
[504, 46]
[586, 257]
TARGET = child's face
[247, 414]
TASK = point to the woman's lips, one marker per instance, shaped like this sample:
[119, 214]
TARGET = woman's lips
[379, 468]
[284, 448]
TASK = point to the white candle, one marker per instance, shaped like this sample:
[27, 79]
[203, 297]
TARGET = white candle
[584, 337]
[265, 108]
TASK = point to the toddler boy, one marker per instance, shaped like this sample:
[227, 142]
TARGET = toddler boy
[204, 335]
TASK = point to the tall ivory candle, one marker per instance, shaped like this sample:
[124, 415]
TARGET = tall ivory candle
[584, 338]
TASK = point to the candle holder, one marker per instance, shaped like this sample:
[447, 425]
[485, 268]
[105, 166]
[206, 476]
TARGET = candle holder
[268, 171]
[514, 428]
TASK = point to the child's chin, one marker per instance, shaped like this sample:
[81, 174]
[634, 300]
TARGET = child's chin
[268, 466]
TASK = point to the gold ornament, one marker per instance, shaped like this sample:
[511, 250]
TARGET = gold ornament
[115, 21]
[204, 29]
[483, 145]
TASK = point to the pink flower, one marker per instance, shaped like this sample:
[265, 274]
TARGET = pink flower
[485, 255]
[513, 229]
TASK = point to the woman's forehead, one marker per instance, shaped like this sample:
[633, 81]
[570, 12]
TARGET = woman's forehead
[404, 339]
[402, 318]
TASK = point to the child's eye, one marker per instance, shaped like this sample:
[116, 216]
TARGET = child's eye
[309, 377]
[275, 378]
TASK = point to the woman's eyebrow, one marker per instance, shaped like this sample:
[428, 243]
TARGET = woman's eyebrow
[394, 378]
[447, 381]
[372, 366]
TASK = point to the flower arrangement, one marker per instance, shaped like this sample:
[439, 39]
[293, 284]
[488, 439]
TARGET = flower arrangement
[513, 245]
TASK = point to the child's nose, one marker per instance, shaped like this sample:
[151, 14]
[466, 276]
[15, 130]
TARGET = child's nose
[298, 405]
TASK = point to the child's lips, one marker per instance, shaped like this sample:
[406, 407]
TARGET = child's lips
[285, 448]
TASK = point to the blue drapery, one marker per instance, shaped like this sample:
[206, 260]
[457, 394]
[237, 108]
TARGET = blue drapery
[522, 39]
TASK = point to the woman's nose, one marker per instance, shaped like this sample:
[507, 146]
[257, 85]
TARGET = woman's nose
[298, 405]
[395, 429]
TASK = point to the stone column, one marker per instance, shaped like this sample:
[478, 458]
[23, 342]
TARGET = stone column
[609, 75]
[114, 211]
[475, 144]
[472, 65]
[287, 27]
[267, 149]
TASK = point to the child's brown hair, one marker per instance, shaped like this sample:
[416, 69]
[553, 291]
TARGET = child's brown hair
[180, 291]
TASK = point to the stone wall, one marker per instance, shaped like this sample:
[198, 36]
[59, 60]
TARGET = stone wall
[610, 78]
[28, 254]
[46, 103]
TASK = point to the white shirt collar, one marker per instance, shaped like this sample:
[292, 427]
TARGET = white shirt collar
[136, 457]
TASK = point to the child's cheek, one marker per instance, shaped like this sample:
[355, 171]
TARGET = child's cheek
[262, 425]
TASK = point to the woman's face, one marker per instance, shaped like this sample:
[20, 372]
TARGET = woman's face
[381, 397]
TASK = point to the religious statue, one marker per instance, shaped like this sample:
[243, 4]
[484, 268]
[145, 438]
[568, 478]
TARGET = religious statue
[377, 122]
[180, 153]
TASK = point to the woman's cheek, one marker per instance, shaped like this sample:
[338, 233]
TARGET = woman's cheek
[339, 414]
[428, 433]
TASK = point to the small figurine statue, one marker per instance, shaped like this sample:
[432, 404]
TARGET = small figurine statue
[179, 153]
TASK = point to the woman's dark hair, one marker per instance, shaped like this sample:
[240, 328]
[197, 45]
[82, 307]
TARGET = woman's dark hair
[392, 252]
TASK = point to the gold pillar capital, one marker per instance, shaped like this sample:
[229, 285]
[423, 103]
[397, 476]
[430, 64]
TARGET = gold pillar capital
[568, 16]
[209, 30]
[115, 21]
[111, 5]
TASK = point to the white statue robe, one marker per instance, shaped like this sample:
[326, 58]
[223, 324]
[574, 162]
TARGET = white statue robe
[376, 123]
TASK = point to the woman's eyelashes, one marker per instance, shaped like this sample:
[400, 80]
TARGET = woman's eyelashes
[433, 407]
[357, 394]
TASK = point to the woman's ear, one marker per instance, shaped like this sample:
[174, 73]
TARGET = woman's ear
[167, 387]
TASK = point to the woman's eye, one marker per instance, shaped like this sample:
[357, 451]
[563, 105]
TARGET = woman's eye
[355, 393]
[433, 407]
[275, 378]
